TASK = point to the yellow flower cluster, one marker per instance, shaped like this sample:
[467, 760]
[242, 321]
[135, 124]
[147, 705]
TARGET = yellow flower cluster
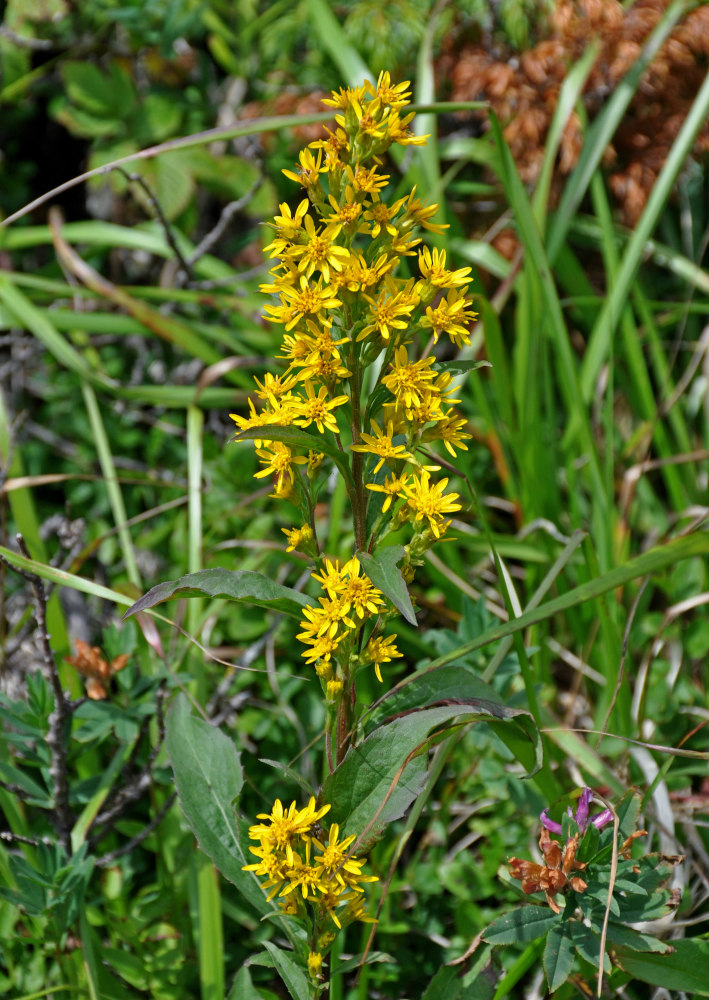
[351, 600]
[342, 307]
[355, 389]
[309, 868]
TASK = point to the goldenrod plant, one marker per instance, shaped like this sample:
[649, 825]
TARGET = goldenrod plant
[358, 393]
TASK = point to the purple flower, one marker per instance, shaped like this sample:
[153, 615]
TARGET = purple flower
[582, 817]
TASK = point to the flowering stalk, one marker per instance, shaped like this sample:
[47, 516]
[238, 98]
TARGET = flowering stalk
[354, 392]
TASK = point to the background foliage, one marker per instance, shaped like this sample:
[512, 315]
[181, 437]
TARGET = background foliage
[125, 339]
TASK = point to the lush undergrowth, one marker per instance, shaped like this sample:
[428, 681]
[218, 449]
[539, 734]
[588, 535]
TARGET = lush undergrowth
[571, 586]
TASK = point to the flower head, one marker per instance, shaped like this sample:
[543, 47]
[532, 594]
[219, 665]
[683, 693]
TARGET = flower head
[582, 817]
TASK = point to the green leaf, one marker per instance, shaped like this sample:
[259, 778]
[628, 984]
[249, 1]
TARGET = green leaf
[382, 570]
[243, 586]
[208, 778]
[588, 944]
[450, 983]
[626, 937]
[243, 987]
[107, 94]
[294, 978]
[686, 968]
[558, 956]
[527, 923]
[430, 687]
[374, 785]
[380, 778]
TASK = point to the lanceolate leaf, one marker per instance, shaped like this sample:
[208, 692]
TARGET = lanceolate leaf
[244, 586]
[527, 923]
[382, 570]
[290, 973]
[380, 778]
[208, 778]
[428, 687]
[558, 956]
[458, 686]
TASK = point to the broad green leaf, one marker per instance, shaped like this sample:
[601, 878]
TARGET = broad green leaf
[107, 94]
[427, 687]
[460, 686]
[382, 570]
[244, 586]
[685, 969]
[379, 779]
[526, 923]
[294, 978]
[558, 956]
[374, 785]
[208, 778]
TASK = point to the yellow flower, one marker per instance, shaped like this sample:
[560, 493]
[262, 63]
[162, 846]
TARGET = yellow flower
[398, 131]
[449, 430]
[391, 310]
[433, 267]
[278, 460]
[289, 226]
[360, 594]
[393, 486]
[381, 444]
[318, 409]
[395, 96]
[298, 538]
[380, 650]
[302, 301]
[310, 169]
[360, 275]
[380, 215]
[449, 316]
[281, 827]
[348, 213]
[426, 500]
[366, 179]
[331, 578]
[320, 250]
[419, 214]
[314, 964]
[409, 380]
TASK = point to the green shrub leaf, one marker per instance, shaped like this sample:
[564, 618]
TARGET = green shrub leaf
[526, 923]
[558, 956]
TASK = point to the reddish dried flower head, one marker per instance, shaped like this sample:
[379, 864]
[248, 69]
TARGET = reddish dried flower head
[555, 874]
[89, 662]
